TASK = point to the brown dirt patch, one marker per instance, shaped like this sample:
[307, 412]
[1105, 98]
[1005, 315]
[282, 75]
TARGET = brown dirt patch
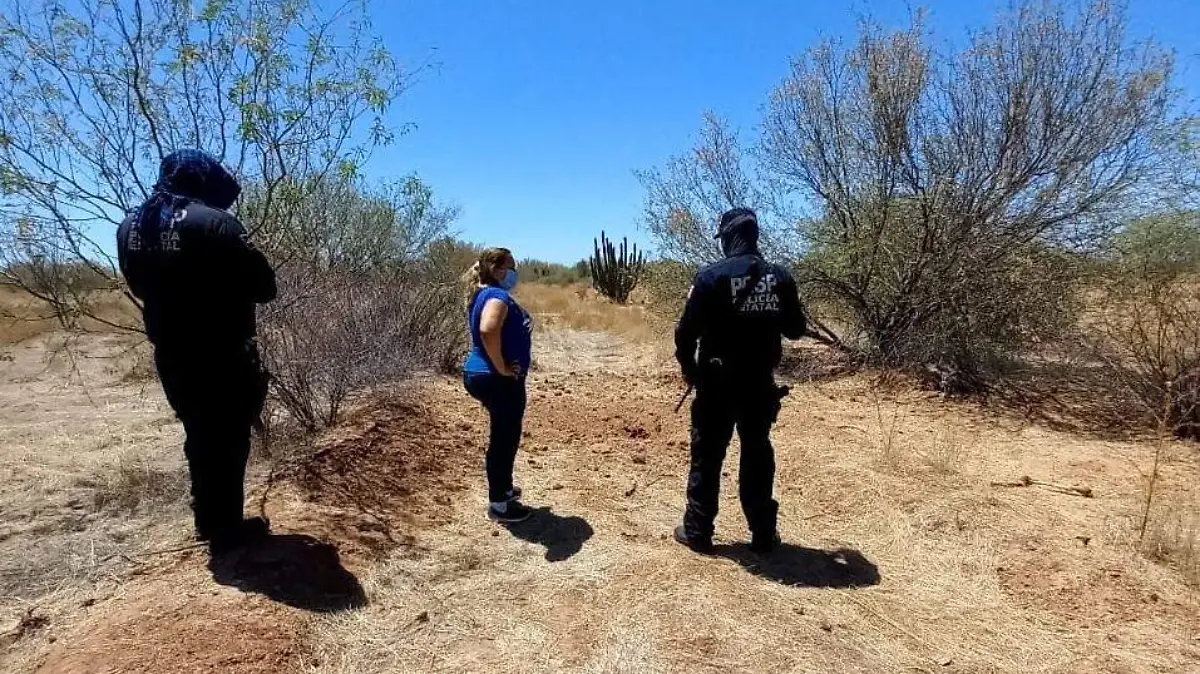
[361, 492]
[182, 626]
[391, 467]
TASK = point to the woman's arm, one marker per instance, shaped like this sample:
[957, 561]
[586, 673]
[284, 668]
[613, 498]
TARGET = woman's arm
[491, 321]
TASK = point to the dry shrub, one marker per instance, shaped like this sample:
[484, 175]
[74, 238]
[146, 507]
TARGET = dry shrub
[1146, 329]
[369, 291]
[135, 481]
[1149, 339]
[944, 191]
[665, 286]
[329, 336]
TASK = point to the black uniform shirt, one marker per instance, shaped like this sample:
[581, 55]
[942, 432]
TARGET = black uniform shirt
[199, 281]
[738, 310]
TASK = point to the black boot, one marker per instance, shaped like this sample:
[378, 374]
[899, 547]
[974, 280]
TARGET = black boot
[703, 546]
[247, 532]
[764, 545]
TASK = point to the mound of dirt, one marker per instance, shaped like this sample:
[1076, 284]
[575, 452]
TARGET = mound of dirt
[183, 630]
[392, 462]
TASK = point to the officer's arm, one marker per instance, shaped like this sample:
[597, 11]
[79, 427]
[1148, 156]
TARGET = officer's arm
[248, 266]
[794, 325]
[687, 332]
[123, 233]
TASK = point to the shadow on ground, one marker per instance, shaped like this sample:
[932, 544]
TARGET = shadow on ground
[798, 566]
[1070, 397]
[292, 569]
[563, 537]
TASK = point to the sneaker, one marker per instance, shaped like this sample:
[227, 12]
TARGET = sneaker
[703, 546]
[765, 545]
[513, 494]
[509, 512]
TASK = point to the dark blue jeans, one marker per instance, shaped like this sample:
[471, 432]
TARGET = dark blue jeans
[504, 399]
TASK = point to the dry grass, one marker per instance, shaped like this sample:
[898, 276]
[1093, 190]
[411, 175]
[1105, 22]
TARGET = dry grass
[1173, 535]
[23, 318]
[889, 420]
[91, 471]
[971, 578]
[580, 308]
[949, 450]
[912, 564]
[134, 481]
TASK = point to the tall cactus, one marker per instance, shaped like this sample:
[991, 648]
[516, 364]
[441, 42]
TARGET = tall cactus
[615, 274]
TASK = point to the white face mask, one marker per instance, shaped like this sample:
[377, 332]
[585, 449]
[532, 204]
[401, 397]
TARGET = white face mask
[510, 280]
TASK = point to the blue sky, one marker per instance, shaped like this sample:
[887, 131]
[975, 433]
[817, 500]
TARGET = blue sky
[536, 113]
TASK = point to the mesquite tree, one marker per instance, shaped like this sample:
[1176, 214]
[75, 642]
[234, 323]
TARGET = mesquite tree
[685, 199]
[938, 199]
[616, 271]
[94, 93]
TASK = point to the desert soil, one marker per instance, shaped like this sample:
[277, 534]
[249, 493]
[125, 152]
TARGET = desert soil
[903, 553]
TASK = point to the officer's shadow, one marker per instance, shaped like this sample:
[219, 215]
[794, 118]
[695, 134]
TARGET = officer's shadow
[563, 537]
[292, 569]
[798, 566]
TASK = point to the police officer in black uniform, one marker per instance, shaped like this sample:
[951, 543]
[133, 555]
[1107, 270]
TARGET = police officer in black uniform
[737, 311]
[189, 261]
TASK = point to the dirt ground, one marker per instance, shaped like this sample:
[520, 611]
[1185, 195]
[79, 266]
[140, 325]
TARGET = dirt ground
[906, 551]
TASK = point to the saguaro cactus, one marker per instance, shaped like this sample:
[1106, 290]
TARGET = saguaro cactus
[616, 272]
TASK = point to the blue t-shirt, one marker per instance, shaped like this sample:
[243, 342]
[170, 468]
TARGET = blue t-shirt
[516, 335]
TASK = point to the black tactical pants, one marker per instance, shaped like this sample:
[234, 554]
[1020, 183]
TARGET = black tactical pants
[218, 396]
[716, 411]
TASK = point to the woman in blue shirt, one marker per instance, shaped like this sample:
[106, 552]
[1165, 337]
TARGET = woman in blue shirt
[494, 373]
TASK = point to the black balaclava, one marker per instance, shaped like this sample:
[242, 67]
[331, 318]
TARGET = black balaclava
[197, 175]
[185, 176]
[738, 232]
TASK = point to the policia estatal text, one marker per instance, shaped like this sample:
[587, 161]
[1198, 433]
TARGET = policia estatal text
[737, 312]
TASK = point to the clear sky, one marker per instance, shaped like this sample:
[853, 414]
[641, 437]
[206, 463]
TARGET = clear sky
[537, 112]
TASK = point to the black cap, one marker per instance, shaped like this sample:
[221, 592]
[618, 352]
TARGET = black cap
[735, 219]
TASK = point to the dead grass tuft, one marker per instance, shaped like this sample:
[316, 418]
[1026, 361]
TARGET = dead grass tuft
[948, 450]
[889, 418]
[134, 481]
[1173, 537]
